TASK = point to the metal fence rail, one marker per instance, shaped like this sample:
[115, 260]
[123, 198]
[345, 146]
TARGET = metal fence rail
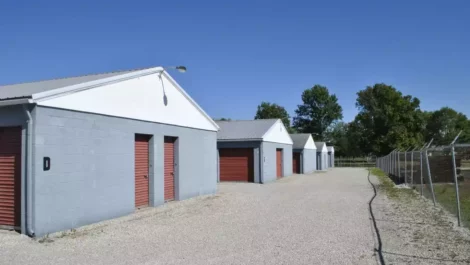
[439, 173]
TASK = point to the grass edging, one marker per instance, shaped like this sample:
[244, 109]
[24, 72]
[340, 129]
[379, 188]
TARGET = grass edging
[387, 185]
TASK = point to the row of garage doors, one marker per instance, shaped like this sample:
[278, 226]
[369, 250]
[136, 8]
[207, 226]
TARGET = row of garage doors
[142, 169]
[10, 173]
[237, 164]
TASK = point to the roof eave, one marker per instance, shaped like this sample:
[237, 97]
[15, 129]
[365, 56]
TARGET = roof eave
[92, 84]
[15, 101]
[240, 140]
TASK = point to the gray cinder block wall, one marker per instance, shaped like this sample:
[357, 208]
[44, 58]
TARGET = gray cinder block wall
[92, 166]
[269, 160]
[309, 160]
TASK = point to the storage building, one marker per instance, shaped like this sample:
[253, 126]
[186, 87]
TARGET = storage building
[257, 151]
[331, 156]
[304, 154]
[322, 156]
[80, 150]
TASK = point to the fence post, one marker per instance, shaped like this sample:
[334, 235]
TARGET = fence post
[456, 182]
[399, 171]
[406, 181]
[421, 169]
[430, 178]
[395, 159]
[412, 169]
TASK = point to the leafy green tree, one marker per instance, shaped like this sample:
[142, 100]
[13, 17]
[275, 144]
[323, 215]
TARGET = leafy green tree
[344, 137]
[387, 120]
[318, 111]
[268, 110]
[444, 124]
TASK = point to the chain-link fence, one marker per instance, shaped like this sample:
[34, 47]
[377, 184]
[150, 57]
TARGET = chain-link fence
[440, 173]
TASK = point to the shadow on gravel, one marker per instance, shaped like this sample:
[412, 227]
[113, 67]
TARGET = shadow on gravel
[377, 233]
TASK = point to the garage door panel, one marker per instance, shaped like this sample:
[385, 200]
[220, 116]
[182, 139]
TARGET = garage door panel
[278, 163]
[296, 163]
[169, 168]
[236, 164]
[10, 176]
[141, 163]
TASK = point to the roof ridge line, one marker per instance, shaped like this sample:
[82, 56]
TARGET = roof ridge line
[60, 78]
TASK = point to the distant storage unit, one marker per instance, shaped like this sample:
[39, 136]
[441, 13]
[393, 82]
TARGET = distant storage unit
[322, 156]
[331, 156]
[257, 151]
[79, 150]
[304, 153]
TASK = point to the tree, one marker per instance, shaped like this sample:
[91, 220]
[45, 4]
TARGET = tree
[318, 111]
[387, 120]
[268, 110]
[444, 124]
[344, 137]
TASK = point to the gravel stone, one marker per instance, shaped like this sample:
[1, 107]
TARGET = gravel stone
[320, 218]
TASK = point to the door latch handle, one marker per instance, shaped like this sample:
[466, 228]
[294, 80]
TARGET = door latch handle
[145, 176]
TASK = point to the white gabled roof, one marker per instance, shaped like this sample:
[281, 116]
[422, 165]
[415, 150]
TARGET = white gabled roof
[321, 147]
[330, 149]
[277, 134]
[135, 94]
[303, 141]
[268, 130]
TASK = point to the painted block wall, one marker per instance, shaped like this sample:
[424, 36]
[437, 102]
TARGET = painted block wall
[268, 152]
[92, 166]
[241, 144]
[325, 161]
[309, 160]
[320, 161]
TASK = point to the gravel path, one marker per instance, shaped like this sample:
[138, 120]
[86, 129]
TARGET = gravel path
[320, 218]
[413, 231]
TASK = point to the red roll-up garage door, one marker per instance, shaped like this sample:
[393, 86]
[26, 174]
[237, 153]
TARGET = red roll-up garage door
[10, 176]
[236, 164]
[169, 168]
[296, 163]
[279, 163]
[141, 170]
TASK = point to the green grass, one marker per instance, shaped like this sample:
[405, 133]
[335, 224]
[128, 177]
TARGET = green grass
[445, 195]
[387, 185]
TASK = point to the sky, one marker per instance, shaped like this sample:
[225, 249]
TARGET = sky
[240, 53]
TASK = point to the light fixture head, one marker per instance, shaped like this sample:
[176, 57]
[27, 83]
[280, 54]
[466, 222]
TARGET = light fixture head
[181, 69]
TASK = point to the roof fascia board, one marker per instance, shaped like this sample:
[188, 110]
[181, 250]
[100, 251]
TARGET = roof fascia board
[240, 140]
[10, 102]
[92, 84]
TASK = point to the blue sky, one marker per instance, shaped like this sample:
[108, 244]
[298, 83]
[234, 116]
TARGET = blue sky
[244, 52]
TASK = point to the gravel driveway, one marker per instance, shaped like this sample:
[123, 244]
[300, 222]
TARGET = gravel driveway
[320, 218]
